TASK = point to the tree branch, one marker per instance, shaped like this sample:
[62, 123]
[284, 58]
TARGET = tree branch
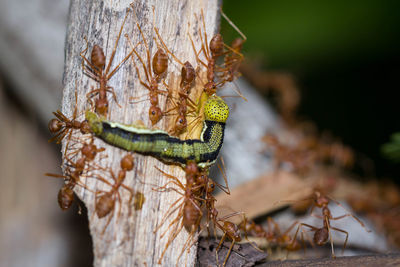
[129, 240]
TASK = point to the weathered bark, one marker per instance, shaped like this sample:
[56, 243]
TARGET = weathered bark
[129, 240]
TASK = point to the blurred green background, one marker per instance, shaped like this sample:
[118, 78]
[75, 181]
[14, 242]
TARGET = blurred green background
[345, 57]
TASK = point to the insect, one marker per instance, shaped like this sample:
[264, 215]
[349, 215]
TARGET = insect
[272, 234]
[74, 169]
[208, 186]
[230, 230]
[153, 72]
[233, 57]
[94, 69]
[65, 195]
[105, 200]
[301, 157]
[188, 75]
[211, 52]
[189, 210]
[62, 126]
[321, 235]
[159, 144]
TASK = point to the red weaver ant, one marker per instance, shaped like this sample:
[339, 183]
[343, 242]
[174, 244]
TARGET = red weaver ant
[94, 69]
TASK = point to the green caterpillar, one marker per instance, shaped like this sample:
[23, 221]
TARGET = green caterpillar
[159, 144]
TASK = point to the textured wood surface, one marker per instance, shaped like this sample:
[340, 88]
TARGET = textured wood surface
[130, 241]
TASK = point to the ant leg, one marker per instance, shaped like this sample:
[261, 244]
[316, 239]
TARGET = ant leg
[347, 236]
[233, 25]
[170, 239]
[223, 171]
[219, 245]
[115, 48]
[354, 217]
[171, 177]
[207, 51]
[111, 90]
[59, 115]
[229, 253]
[110, 216]
[194, 49]
[169, 212]
[93, 70]
[146, 72]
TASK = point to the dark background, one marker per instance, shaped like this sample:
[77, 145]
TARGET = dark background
[345, 57]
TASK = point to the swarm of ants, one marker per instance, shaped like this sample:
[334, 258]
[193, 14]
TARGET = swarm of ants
[82, 156]
[195, 211]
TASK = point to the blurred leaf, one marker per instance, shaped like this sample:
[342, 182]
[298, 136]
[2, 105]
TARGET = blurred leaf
[391, 150]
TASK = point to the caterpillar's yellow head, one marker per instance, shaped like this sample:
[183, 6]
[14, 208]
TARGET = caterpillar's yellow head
[94, 122]
[216, 109]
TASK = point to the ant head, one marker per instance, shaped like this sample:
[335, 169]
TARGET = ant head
[85, 127]
[154, 114]
[89, 151]
[210, 88]
[211, 186]
[216, 109]
[202, 179]
[55, 125]
[65, 197]
[321, 201]
[102, 106]
[180, 123]
[160, 62]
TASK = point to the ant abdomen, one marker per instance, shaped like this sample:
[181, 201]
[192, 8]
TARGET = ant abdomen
[237, 44]
[187, 74]
[321, 236]
[97, 57]
[191, 215]
[65, 197]
[127, 162]
[55, 125]
[104, 205]
[217, 45]
[160, 62]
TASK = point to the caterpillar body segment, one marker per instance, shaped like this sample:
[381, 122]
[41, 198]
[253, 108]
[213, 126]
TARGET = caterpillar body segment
[159, 144]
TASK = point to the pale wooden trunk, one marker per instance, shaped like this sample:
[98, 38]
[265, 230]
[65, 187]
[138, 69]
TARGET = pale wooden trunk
[130, 241]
